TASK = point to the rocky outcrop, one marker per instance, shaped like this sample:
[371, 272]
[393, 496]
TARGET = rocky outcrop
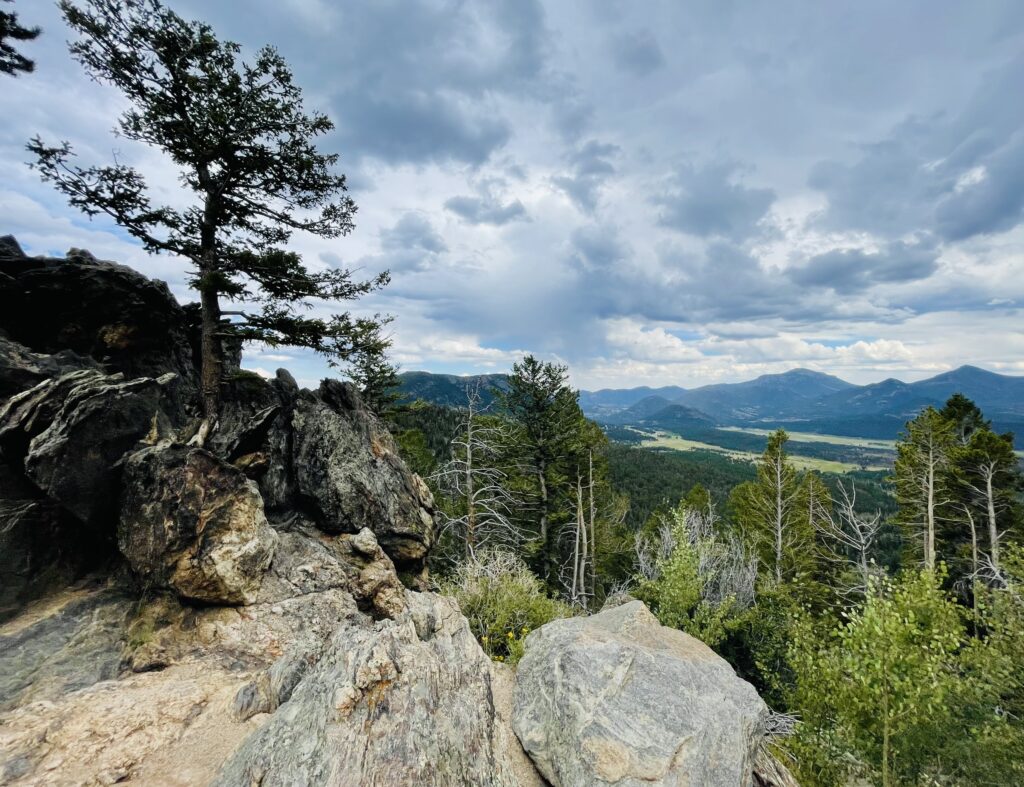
[74, 460]
[95, 309]
[41, 546]
[21, 369]
[408, 702]
[616, 698]
[193, 524]
[236, 615]
[349, 475]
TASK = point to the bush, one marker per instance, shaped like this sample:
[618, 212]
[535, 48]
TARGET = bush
[503, 602]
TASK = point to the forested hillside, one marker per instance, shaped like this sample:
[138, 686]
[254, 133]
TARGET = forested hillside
[818, 587]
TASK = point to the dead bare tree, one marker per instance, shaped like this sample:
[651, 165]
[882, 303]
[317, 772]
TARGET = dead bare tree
[985, 470]
[727, 571]
[476, 479]
[848, 537]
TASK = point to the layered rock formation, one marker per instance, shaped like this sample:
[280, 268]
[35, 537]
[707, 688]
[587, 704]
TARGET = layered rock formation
[250, 612]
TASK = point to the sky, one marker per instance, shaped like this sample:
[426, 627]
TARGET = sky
[651, 193]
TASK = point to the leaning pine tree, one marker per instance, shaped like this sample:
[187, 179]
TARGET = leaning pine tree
[245, 149]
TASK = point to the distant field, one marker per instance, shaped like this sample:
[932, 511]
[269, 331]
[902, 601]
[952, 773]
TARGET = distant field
[812, 437]
[676, 443]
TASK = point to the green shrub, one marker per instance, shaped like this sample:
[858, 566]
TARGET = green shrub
[503, 601]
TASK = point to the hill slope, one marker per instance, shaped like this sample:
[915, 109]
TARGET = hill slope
[450, 390]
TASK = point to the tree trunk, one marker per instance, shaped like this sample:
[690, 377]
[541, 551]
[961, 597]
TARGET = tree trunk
[470, 502]
[974, 568]
[210, 344]
[544, 546]
[778, 520]
[929, 530]
[593, 539]
[576, 551]
[211, 347]
[993, 530]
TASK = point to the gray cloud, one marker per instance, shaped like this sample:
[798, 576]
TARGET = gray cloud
[855, 270]
[708, 202]
[597, 247]
[485, 209]
[420, 82]
[412, 244]
[412, 231]
[637, 53]
[590, 167]
[958, 174]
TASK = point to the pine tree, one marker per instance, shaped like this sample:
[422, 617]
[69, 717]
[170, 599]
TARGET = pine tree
[540, 401]
[377, 379]
[965, 417]
[989, 472]
[244, 144]
[11, 60]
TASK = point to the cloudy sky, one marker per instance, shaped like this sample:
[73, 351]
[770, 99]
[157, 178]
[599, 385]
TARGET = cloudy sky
[653, 193]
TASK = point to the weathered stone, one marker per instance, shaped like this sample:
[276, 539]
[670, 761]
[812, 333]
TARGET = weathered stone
[21, 369]
[194, 524]
[349, 475]
[503, 678]
[41, 547]
[407, 702]
[74, 460]
[10, 249]
[254, 433]
[770, 772]
[68, 642]
[29, 413]
[117, 316]
[618, 699]
[274, 686]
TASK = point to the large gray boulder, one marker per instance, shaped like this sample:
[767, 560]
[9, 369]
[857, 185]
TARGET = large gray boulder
[618, 699]
[349, 474]
[193, 524]
[407, 702]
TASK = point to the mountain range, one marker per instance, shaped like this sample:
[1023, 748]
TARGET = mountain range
[800, 399]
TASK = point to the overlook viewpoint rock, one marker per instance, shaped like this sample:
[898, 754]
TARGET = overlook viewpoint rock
[258, 611]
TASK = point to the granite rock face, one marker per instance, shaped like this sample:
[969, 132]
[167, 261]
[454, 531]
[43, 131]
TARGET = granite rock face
[618, 699]
[349, 475]
[193, 524]
[101, 310]
[408, 702]
[74, 460]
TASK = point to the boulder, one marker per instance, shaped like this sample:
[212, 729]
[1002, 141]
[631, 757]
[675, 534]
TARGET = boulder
[97, 420]
[194, 524]
[616, 698]
[349, 475]
[407, 702]
[103, 310]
